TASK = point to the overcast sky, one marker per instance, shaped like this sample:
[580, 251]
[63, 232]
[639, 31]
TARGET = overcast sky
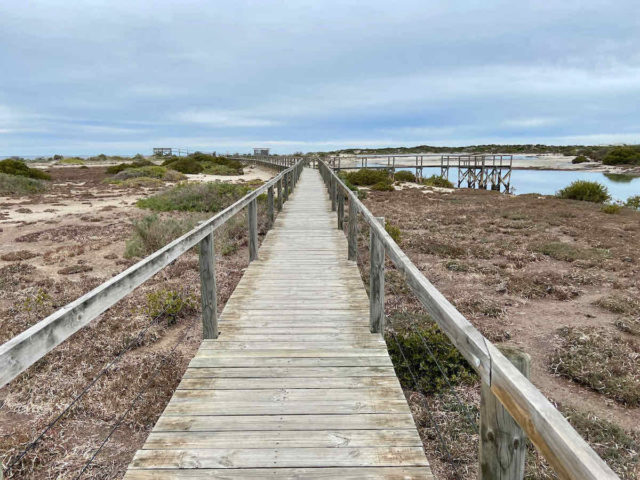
[124, 76]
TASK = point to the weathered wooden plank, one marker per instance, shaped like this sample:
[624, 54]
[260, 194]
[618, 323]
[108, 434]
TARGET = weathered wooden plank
[292, 372]
[280, 457]
[293, 353]
[270, 383]
[371, 361]
[319, 473]
[360, 421]
[283, 439]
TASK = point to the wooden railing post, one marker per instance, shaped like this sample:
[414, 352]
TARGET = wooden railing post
[270, 206]
[208, 288]
[332, 192]
[280, 194]
[353, 230]
[376, 282]
[340, 207]
[286, 187]
[503, 444]
[252, 213]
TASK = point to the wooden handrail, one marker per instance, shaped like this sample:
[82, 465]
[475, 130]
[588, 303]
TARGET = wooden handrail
[567, 452]
[26, 348]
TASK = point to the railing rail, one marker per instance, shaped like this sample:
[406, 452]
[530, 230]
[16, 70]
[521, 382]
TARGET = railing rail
[565, 450]
[26, 348]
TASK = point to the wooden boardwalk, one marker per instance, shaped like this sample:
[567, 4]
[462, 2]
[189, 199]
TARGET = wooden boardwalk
[295, 386]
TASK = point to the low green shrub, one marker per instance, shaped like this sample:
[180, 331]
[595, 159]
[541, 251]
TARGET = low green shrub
[393, 231]
[12, 166]
[411, 342]
[15, 185]
[152, 171]
[170, 305]
[184, 165]
[623, 155]
[612, 208]
[195, 197]
[585, 191]
[580, 159]
[140, 182]
[383, 187]
[633, 202]
[437, 181]
[368, 176]
[139, 162]
[404, 176]
[219, 170]
[152, 233]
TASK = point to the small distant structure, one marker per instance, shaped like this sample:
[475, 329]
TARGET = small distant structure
[261, 152]
[162, 152]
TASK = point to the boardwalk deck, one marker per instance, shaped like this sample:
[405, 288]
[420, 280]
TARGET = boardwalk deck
[295, 386]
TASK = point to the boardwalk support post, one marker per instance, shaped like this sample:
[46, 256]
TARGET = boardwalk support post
[252, 213]
[286, 187]
[353, 231]
[270, 206]
[280, 194]
[340, 207]
[503, 444]
[208, 288]
[376, 282]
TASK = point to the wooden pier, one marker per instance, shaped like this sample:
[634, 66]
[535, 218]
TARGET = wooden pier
[474, 171]
[296, 385]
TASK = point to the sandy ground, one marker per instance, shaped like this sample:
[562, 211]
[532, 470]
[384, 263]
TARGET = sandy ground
[251, 172]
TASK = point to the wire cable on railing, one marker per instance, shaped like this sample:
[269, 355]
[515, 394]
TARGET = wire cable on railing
[464, 407]
[113, 361]
[135, 400]
[427, 406]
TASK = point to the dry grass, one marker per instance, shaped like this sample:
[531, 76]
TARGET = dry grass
[617, 303]
[601, 361]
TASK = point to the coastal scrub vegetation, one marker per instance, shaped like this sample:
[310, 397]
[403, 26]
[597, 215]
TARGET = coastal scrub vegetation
[19, 168]
[633, 202]
[585, 191]
[368, 176]
[170, 305]
[580, 159]
[195, 197]
[415, 338]
[152, 233]
[204, 163]
[623, 155]
[404, 176]
[16, 185]
[437, 181]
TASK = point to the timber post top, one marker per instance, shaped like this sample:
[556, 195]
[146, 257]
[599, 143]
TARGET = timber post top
[295, 386]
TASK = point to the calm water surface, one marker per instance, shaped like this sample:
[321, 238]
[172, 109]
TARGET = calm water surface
[548, 182]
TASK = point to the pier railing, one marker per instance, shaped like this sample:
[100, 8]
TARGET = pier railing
[23, 350]
[565, 450]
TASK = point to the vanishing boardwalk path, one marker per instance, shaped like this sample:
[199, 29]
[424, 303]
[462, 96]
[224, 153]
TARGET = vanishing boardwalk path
[295, 386]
